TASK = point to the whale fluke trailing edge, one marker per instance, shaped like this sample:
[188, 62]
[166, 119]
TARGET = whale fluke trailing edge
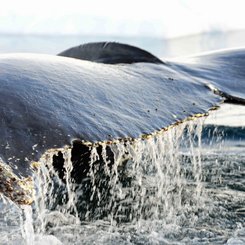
[102, 92]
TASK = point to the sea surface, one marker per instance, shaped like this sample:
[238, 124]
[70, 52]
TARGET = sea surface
[186, 186]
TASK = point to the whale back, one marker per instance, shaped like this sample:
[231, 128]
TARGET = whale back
[110, 53]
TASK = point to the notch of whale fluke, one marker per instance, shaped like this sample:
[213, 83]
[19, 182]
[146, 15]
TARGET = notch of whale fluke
[110, 53]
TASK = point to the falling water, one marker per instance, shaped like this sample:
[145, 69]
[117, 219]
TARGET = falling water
[158, 179]
[155, 190]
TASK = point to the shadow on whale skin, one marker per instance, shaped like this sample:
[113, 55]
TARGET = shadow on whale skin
[103, 92]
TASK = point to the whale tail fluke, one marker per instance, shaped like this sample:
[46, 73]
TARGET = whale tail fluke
[47, 101]
[222, 71]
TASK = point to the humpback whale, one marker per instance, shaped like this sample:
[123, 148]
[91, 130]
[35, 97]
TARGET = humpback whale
[101, 92]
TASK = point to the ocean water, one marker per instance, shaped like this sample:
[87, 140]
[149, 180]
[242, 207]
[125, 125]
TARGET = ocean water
[186, 186]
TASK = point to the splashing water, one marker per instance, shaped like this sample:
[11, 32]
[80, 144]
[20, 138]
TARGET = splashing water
[149, 180]
[152, 191]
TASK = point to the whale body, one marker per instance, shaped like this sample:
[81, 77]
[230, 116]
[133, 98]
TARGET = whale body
[102, 92]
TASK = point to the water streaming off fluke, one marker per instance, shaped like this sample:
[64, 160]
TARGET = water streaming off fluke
[159, 183]
[155, 179]
[111, 146]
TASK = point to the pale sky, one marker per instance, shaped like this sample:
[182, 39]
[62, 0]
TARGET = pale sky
[166, 18]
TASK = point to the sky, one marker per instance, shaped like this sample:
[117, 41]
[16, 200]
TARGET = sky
[162, 18]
